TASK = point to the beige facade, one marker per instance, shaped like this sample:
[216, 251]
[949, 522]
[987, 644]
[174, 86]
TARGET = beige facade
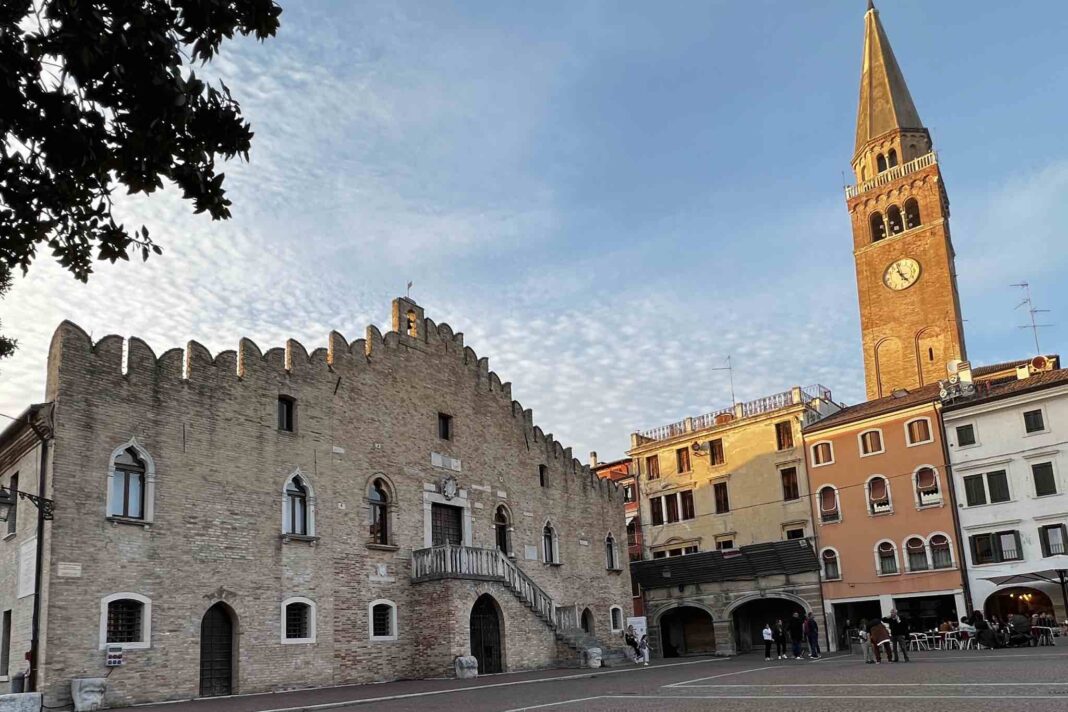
[743, 469]
[175, 479]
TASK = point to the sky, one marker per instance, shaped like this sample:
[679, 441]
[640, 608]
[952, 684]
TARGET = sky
[607, 198]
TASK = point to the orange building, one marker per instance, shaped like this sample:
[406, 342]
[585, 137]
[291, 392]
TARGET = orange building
[620, 471]
[884, 513]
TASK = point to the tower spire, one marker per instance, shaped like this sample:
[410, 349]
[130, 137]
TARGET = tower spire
[885, 102]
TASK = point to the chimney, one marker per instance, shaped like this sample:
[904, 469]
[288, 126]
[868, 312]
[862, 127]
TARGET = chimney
[593, 458]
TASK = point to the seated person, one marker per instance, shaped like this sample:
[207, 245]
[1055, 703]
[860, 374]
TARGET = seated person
[966, 627]
[945, 627]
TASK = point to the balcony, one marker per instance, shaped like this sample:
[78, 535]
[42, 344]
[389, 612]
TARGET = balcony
[892, 174]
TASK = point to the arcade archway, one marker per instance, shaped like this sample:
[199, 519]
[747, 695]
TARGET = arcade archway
[686, 630]
[749, 619]
[1017, 600]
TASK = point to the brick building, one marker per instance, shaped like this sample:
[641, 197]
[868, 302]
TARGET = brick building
[622, 473]
[261, 521]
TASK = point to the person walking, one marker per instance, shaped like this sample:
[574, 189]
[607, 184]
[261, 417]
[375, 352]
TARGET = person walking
[865, 642]
[796, 628]
[769, 638]
[779, 633]
[813, 632]
[899, 635]
[880, 636]
[631, 639]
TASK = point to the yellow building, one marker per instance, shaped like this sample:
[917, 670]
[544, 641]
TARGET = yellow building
[729, 478]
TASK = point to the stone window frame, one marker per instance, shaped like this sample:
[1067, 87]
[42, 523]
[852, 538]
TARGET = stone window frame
[838, 563]
[146, 620]
[460, 500]
[612, 559]
[310, 508]
[392, 620]
[860, 442]
[908, 438]
[149, 509]
[916, 487]
[312, 615]
[509, 530]
[871, 504]
[830, 453]
[838, 515]
[878, 560]
[612, 621]
[550, 558]
[907, 562]
[391, 511]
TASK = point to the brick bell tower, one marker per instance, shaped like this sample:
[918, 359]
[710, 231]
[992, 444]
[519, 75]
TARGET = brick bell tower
[906, 281]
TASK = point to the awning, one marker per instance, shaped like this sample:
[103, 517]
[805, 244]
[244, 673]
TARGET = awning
[1056, 575]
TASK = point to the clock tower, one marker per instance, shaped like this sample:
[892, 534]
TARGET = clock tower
[909, 309]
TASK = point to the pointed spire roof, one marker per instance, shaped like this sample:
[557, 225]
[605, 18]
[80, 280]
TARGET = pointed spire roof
[885, 102]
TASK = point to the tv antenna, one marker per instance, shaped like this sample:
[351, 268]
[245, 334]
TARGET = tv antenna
[730, 371]
[1031, 311]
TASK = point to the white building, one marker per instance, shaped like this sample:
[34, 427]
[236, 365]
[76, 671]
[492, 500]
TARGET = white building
[1008, 450]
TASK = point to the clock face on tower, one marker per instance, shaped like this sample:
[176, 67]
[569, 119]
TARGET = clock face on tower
[902, 274]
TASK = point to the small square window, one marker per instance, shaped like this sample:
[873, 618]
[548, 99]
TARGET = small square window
[722, 544]
[795, 533]
[444, 426]
[1033, 422]
[965, 435]
[287, 414]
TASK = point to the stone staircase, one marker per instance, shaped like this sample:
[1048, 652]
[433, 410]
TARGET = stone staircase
[449, 561]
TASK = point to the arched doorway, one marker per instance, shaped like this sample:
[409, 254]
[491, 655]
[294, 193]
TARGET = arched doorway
[687, 630]
[750, 617]
[587, 621]
[1017, 600]
[486, 635]
[217, 651]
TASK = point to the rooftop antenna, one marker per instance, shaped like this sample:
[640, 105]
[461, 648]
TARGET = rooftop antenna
[1033, 326]
[408, 291]
[730, 370]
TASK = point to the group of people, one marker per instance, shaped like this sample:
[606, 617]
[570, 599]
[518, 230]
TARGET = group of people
[1016, 630]
[889, 636]
[800, 632]
[640, 646]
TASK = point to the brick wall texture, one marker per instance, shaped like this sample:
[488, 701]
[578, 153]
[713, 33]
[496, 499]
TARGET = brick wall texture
[364, 410]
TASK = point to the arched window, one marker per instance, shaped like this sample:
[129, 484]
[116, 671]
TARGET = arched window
[916, 551]
[912, 214]
[549, 544]
[886, 558]
[126, 620]
[879, 495]
[616, 616]
[611, 557]
[927, 490]
[941, 554]
[126, 491]
[878, 227]
[880, 163]
[298, 621]
[413, 330]
[831, 570]
[893, 220]
[632, 532]
[891, 157]
[871, 442]
[918, 431]
[295, 519]
[502, 525]
[382, 619]
[378, 498]
[829, 511]
[822, 454]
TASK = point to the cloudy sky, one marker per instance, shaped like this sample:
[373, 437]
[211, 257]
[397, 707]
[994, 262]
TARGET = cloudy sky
[606, 198]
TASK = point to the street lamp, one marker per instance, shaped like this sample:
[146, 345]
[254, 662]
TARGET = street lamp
[8, 500]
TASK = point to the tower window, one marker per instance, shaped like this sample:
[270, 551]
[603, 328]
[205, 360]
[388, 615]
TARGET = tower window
[892, 157]
[413, 331]
[543, 475]
[287, 414]
[880, 162]
[893, 220]
[930, 353]
[878, 228]
[912, 214]
[444, 426]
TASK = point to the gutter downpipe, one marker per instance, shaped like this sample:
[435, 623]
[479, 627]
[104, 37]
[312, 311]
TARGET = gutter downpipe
[35, 625]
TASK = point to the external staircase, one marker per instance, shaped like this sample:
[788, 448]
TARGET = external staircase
[450, 561]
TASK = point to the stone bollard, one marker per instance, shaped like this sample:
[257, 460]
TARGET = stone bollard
[466, 667]
[591, 657]
[88, 693]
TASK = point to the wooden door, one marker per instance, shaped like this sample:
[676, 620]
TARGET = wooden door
[216, 652]
[486, 635]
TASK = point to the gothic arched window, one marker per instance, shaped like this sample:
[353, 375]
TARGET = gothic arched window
[878, 227]
[912, 214]
[296, 507]
[892, 158]
[378, 498]
[880, 162]
[127, 495]
[501, 525]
